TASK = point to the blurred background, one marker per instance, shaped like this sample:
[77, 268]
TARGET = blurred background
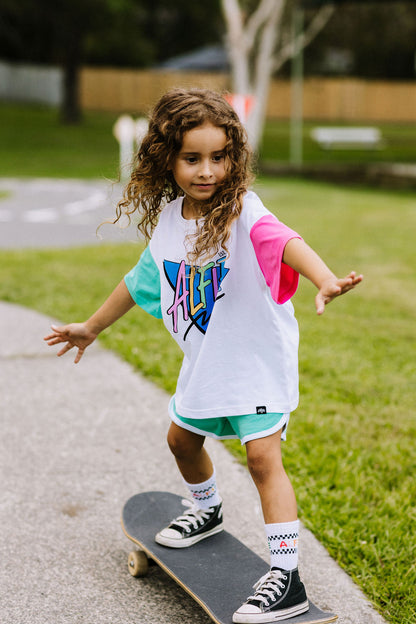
[301, 64]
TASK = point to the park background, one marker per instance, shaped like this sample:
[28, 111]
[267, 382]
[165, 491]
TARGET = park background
[351, 450]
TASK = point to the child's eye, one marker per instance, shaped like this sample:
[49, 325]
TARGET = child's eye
[218, 158]
[191, 160]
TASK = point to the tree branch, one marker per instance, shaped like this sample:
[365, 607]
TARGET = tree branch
[256, 20]
[290, 49]
[233, 18]
[263, 66]
[264, 60]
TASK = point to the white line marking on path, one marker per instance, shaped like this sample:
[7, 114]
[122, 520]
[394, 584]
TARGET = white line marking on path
[40, 215]
[92, 202]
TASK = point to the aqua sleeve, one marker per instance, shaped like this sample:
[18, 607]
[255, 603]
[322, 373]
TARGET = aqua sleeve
[143, 284]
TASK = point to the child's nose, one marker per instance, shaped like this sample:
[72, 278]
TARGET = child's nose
[205, 168]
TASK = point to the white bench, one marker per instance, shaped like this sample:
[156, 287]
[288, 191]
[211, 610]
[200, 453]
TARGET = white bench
[347, 138]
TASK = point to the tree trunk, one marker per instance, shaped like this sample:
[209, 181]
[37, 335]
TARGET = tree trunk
[237, 49]
[70, 112]
[71, 108]
[263, 72]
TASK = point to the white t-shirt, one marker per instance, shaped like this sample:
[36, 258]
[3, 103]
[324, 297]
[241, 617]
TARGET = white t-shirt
[232, 318]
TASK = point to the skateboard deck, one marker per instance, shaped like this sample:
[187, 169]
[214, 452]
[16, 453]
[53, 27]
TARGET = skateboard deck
[217, 572]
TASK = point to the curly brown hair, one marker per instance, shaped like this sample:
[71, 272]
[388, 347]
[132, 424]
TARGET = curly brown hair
[152, 183]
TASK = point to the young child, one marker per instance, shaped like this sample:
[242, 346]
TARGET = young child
[220, 270]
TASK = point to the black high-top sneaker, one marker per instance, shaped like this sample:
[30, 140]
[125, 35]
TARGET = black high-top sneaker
[193, 526]
[279, 595]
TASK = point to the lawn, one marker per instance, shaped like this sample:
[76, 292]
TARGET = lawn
[351, 443]
[34, 143]
[399, 145]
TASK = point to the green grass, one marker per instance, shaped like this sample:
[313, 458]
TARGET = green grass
[351, 444]
[34, 143]
[399, 144]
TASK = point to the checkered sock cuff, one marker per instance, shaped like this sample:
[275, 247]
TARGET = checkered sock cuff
[283, 539]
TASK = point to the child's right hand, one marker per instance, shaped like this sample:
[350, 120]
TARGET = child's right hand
[75, 335]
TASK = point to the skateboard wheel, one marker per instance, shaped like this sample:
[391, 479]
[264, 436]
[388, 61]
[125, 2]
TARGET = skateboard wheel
[138, 563]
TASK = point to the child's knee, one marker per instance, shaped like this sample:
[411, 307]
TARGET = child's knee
[181, 442]
[174, 442]
[262, 462]
[258, 465]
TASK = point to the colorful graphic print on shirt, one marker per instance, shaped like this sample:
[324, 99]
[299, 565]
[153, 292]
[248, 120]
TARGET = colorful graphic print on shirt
[195, 290]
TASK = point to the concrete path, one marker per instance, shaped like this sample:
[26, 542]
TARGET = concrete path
[76, 442]
[47, 212]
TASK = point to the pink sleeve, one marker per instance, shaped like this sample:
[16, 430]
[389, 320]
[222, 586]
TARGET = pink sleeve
[269, 237]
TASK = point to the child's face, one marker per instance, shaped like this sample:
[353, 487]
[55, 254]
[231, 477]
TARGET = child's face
[199, 167]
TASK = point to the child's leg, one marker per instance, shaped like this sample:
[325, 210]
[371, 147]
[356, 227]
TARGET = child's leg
[194, 465]
[280, 594]
[204, 518]
[264, 459]
[192, 459]
[278, 500]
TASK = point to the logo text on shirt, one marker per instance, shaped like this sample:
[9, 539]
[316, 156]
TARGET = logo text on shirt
[195, 290]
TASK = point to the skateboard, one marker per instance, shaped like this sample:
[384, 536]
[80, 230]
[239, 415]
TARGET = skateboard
[217, 572]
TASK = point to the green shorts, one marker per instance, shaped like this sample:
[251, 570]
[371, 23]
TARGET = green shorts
[244, 428]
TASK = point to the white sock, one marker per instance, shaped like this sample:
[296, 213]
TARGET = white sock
[206, 493]
[283, 538]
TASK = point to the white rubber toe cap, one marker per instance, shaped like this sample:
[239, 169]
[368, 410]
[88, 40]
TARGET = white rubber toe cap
[248, 609]
[168, 534]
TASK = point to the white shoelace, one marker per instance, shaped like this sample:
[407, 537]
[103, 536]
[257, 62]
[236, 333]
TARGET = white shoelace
[268, 586]
[193, 516]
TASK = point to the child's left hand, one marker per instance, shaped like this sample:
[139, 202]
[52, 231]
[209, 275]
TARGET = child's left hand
[334, 287]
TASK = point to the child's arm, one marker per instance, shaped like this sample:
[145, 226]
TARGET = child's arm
[81, 335]
[305, 261]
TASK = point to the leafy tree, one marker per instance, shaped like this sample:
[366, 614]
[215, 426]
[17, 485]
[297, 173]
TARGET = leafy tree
[52, 31]
[149, 31]
[141, 33]
[134, 33]
[381, 37]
